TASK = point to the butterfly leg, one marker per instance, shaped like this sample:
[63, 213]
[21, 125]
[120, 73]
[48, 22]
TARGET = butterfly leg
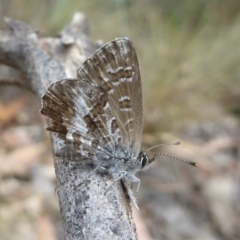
[131, 179]
[121, 175]
[137, 180]
[93, 171]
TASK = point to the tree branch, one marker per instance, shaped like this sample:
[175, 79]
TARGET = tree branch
[14, 82]
[90, 210]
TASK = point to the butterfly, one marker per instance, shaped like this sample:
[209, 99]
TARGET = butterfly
[99, 114]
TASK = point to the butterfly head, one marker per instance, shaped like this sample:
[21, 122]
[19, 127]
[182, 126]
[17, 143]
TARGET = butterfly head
[144, 160]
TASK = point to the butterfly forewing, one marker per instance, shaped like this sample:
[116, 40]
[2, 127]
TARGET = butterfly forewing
[115, 69]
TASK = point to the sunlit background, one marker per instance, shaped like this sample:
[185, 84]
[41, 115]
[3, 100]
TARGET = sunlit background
[189, 55]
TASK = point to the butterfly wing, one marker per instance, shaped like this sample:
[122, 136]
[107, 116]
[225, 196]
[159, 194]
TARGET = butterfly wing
[103, 105]
[115, 69]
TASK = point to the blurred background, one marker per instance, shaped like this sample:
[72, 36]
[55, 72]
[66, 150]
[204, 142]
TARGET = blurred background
[189, 55]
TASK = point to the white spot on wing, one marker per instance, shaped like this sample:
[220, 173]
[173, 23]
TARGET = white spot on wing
[121, 99]
[128, 121]
[126, 109]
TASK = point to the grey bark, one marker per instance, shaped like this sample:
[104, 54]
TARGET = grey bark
[91, 210]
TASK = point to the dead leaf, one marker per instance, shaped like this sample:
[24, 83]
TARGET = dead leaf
[142, 230]
[8, 112]
[19, 161]
[45, 229]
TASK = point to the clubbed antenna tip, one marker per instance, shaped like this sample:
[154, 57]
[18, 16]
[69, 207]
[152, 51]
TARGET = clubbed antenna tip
[164, 154]
[192, 164]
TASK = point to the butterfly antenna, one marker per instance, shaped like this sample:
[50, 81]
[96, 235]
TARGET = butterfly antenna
[164, 144]
[176, 158]
[179, 159]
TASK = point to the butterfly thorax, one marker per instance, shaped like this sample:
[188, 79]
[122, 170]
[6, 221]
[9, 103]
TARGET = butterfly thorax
[116, 158]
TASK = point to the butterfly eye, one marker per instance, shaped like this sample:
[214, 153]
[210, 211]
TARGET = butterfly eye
[144, 160]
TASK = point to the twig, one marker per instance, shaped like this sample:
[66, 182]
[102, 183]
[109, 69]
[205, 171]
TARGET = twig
[14, 82]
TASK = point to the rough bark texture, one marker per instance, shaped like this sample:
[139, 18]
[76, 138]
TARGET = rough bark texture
[90, 210]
